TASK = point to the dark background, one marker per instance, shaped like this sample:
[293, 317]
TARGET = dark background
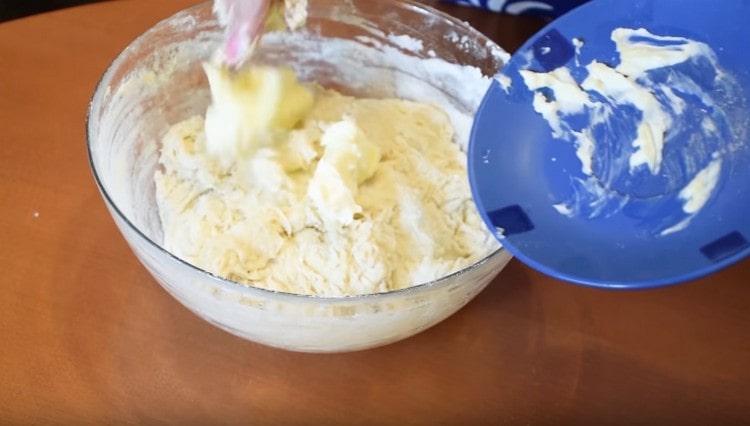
[12, 9]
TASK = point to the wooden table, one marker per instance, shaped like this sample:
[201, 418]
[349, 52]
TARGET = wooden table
[88, 336]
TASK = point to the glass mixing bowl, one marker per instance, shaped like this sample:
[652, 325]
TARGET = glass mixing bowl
[361, 47]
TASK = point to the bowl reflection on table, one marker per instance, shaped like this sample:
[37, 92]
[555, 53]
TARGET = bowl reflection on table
[158, 81]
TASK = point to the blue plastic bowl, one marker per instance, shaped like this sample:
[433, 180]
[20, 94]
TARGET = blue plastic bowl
[519, 171]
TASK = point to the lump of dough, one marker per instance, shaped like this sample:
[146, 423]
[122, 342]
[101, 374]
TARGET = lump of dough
[349, 159]
[251, 108]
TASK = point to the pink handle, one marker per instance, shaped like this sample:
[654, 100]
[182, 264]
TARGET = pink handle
[243, 21]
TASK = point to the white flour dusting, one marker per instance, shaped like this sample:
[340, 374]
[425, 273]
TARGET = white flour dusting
[406, 42]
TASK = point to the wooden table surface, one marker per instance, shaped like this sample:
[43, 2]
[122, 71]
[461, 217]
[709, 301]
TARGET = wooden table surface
[88, 335]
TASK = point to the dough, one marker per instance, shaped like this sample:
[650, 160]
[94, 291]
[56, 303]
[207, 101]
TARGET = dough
[303, 190]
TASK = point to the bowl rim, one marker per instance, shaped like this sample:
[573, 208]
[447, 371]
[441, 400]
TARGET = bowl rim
[234, 286]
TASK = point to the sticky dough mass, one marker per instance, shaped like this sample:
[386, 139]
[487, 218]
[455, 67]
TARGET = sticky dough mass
[303, 190]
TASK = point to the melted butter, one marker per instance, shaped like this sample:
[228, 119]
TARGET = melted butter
[659, 107]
